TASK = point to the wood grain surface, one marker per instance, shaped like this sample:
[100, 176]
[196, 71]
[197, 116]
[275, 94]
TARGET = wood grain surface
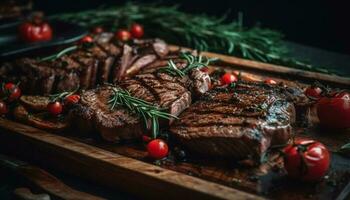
[114, 170]
[276, 69]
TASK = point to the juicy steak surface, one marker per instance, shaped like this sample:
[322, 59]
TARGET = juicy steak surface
[240, 122]
[171, 94]
[84, 68]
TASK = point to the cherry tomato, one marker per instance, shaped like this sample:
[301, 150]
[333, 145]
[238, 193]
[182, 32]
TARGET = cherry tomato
[72, 99]
[313, 92]
[86, 39]
[157, 149]
[334, 112]
[11, 91]
[35, 30]
[228, 78]
[306, 160]
[97, 30]
[123, 35]
[3, 108]
[136, 31]
[55, 108]
[270, 81]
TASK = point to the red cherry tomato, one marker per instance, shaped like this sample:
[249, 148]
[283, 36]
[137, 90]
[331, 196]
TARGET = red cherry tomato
[136, 31]
[55, 108]
[157, 149]
[306, 160]
[72, 99]
[3, 108]
[228, 78]
[86, 39]
[313, 92]
[35, 30]
[123, 35]
[270, 81]
[334, 112]
[11, 91]
[97, 30]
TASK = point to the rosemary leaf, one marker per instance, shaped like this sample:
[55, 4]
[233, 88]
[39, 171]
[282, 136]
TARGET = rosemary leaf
[145, 110]
[200, 32]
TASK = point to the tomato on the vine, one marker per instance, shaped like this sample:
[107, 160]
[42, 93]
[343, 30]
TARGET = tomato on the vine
[86, 39]
[334, 112]
[123, 35]
[306, 160]
[11, 91]
[228, 78]
[72, 99]
[3, 108]
[270, 81]
[313, 92]
[136, 31]
[35, 30]
[54, 108]
[157, 149]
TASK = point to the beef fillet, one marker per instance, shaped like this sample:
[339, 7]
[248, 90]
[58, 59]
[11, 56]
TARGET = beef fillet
[171, 94]
[237, 123]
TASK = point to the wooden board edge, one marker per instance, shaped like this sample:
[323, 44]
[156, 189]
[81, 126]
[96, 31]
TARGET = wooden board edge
[272, 68]
[114, 170]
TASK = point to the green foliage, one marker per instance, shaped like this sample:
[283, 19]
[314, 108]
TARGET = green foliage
[200, 32]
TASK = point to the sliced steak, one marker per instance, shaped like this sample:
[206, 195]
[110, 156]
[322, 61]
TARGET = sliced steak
[169, 93]
[237, 123]
[89, 65]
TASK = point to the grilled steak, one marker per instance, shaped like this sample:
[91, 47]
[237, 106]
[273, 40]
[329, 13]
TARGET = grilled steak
[239, 123]
[164, 91]
[85, 67]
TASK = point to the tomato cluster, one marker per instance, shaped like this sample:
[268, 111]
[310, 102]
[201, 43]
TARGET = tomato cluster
[55, 107]
[9, 93]
[136, 31]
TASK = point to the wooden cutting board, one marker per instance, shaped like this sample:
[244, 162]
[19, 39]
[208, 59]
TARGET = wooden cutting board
[126, 166]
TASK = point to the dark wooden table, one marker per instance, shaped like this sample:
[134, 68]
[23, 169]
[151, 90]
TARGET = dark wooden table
[316, 56]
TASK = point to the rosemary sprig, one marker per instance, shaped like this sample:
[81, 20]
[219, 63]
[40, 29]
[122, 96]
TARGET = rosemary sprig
[200, 32]
[144, 109]
[192, 62]
[59, 54]
[61, 96]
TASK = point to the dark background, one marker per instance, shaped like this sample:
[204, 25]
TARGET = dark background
[323, 24]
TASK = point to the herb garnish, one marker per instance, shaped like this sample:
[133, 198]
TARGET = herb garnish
[59, 54]
[201, 32]
[147, 111]
[192, 63]
[61, 96]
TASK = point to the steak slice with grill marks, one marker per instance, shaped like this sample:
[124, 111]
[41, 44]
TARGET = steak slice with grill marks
[169, 93]
[237, 123]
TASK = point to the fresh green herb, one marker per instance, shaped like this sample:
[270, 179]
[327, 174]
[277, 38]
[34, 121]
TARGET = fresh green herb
[59, 54]
[201, 32]
[144, 109]
[61, 96]
[192, 62]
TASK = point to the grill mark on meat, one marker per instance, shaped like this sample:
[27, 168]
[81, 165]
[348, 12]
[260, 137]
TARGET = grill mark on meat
[167, 78]
[149, 88]
[236, 123]
[137, 89]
